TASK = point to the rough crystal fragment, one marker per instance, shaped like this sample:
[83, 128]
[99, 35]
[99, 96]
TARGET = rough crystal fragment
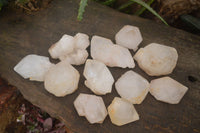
[129, 37]
[156, 59]
[61, 79]
[78, 57]
[33, 67]
[92, 107]
[98, 77]
[81, 41]
[132, 87]
[63, 47]
[98, 40]
[167, 90]
[122, 112]
[110, 54]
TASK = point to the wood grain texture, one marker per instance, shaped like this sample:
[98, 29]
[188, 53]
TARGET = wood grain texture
[22, 34]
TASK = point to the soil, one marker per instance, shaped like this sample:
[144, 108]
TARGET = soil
[13, 106]
[10, 101]
[34, 5]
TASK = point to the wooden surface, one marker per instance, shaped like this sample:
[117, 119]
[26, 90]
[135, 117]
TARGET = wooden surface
[22, 34]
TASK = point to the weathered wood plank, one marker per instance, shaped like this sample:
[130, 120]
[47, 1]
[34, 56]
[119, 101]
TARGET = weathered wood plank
[22, 34]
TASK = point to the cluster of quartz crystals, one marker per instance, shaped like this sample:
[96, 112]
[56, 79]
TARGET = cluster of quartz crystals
[62, 78]
[72, 49]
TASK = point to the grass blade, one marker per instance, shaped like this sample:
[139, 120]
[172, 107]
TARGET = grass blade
[81, 10]
[1, 6]
[127, 4]
[191, 21]
[150, 9]
[108, 2]
[140, 11]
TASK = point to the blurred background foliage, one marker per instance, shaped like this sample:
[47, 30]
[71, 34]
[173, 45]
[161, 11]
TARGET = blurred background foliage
[182, 14]
[83, 4]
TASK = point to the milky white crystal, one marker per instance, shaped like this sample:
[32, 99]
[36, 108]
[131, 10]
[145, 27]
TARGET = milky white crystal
[63, 47]
[98, 40]
[167, 90]
[129, 37]
[122, 112]
[81, 41]
[78, 57]
[71, 49]
[110, 54]
[132, 87]
[33, 67]
[61, 79]
[98, 77]
[156, 59]
[92, 107]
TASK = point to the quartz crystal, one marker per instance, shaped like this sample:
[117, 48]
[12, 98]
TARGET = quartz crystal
[92, 107]
[156, 59]
[33, 67]
[63, 47]
[132, 87]
[122, 112]
[129, 37]
[81, 41]
[98, 77]
[110, 54]
[167, 90]
[71, 49]
[61, 79]
[78, 57]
